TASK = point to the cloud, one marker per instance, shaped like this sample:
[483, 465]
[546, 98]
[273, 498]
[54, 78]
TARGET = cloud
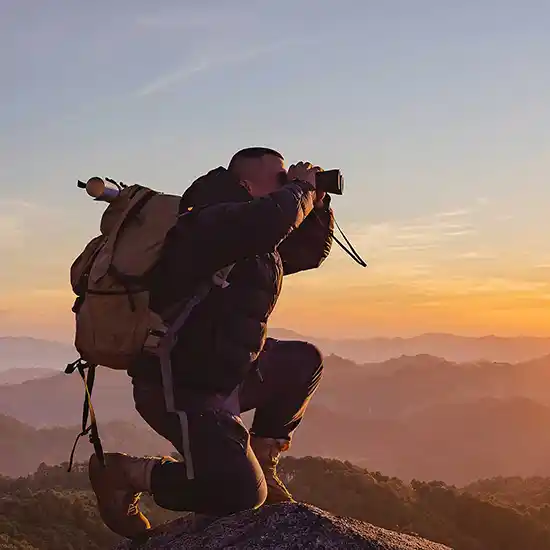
[207, 62]
[437, 231]
[411, 247]
[476, 255]
[406, 236]
[453, 213]
[502, 284]
[174, 77]
[460, 232]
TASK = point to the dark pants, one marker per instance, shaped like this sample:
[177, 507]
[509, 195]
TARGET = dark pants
[226, 475]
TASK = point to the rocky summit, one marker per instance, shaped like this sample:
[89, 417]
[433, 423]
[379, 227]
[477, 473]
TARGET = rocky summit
[285, 526]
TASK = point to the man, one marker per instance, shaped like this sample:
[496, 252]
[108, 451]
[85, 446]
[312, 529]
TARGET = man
[266, 223]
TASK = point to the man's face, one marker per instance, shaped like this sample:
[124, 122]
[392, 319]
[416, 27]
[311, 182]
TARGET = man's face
[266, 175]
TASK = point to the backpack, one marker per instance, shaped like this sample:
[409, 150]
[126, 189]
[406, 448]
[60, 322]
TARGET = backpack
[110, 277]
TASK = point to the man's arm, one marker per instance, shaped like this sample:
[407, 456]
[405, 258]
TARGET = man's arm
[215, 236]
[308, 246]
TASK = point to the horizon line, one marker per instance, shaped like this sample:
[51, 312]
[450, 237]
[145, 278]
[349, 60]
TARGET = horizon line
[326, 338]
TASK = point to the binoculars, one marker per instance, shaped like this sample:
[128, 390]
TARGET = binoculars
[330, 181]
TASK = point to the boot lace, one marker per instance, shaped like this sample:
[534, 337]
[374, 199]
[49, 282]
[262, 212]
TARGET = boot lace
[133, 508]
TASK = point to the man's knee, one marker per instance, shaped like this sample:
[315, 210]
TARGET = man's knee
[313, 353]
[238, 495]
[308, 358]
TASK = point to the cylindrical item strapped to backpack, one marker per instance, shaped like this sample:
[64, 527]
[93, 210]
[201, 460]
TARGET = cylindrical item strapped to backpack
[100, 189]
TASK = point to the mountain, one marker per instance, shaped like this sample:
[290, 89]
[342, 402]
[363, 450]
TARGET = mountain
[58, 400]
[404, 385]
[455, 443]
[23, 448]
[32, 352]
[17, 352]
[413, 417]
[449, 346]
[22, 374]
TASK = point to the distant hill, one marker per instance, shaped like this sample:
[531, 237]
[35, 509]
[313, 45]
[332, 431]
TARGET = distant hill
[413, 417]
[22, 374]
[16, 352]
[449, 346]
[57, 400]
[26, 352]
[455, 443]
[402, 386]
[391, 389]
[522, 491]
[23, 448]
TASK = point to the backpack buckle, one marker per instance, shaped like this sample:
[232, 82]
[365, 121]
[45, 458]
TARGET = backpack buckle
[154, 336]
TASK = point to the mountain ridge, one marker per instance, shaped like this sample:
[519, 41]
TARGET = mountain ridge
[16, 351]
[23, 448]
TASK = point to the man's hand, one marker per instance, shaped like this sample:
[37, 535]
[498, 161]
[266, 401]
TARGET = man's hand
[304, 171]
[319, 198]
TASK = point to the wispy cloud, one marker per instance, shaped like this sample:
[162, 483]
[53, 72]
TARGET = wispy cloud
[460, 232]
[453, 213]
[502, 284]
[437, 231]
[423, 236]
[475, 255]
[175, 77]
[207, 62]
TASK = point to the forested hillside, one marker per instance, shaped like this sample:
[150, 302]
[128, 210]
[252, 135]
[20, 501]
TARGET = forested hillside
[54, 510]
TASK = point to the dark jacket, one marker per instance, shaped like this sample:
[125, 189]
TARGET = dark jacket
[266, 237]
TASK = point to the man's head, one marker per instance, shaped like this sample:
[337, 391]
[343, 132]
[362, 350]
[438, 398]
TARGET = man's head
[260, 169]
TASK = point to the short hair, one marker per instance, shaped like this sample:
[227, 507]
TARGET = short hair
[251, 153]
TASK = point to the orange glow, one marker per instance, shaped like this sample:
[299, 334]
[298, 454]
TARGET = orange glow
[316, 305]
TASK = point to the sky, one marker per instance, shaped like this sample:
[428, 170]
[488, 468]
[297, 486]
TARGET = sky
[436, 112]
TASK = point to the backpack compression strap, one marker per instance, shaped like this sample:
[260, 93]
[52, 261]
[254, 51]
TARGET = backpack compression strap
[87, 409]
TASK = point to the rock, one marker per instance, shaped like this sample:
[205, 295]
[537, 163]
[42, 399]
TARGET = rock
[278, 527]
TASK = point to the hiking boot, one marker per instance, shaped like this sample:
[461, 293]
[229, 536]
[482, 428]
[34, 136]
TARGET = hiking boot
[268, 452]
[118, 488]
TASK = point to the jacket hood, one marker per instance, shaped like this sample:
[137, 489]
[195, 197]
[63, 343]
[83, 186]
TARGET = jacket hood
[217, 186]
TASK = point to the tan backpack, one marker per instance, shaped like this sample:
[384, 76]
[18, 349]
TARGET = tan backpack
[113, 322]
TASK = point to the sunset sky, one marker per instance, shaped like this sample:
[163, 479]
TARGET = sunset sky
[437, 112]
